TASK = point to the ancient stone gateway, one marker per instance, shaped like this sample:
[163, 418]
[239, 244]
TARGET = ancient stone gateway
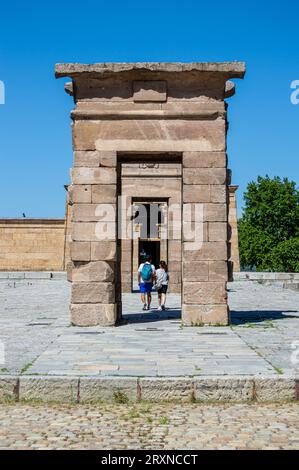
[149, 138]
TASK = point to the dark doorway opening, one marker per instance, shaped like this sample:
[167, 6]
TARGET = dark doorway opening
[149, 247]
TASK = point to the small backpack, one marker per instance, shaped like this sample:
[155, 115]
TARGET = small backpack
[146, 272]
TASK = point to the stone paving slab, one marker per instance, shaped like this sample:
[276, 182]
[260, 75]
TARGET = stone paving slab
[159, 426]
[38, 339]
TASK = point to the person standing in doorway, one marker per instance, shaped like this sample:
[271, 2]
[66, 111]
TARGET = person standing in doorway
[146, 278]
[162, 279]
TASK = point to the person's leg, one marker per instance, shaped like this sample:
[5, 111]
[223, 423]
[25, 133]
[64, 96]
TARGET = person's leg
[149, 299]
[163, 300]
[142, 292]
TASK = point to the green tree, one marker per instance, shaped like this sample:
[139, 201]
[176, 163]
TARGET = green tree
[269, 227]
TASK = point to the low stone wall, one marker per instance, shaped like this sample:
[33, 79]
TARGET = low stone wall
[264, 276]
[32, 244]
[59, 389]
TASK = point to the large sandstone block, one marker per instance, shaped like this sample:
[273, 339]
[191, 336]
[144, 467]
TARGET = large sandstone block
[108, 389]
[218, 271]
[140, 135]
[271, 389]
[223, 389]
[93, 314]
[198, 271]
[204, 160]
[193, 315]
[215, 212]
[161, 389]
[100, 175]
[94, 158]
[217, 232]
[204, 293]
[103, 193]
[80, 251]
[79, 194]
[93, 231]
[94, 271]
[8, 389]
[175, 250]
[94, 212]
[49, 389]
[218, 193]
[196, 193]
[209, 251]
[204, 175]
[103, 251]
[195, 232]
[93, 293]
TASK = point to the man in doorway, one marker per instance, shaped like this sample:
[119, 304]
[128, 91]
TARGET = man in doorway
[146, 277]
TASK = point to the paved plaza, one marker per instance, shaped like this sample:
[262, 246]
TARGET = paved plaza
[38, 338]
[150, 427]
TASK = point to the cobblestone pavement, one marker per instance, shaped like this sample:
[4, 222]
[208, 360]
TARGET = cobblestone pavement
[38, 338]
[149, 427]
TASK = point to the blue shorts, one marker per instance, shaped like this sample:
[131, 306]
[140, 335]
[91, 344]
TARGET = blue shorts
[146, 287]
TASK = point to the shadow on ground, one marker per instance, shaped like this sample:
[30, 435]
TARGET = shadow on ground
[152, 316]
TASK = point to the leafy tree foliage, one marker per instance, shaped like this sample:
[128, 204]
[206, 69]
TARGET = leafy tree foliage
[269, 227]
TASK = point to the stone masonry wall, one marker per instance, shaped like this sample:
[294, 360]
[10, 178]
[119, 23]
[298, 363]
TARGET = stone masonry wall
[32, 244]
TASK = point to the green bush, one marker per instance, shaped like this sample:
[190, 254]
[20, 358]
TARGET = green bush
[269, 227]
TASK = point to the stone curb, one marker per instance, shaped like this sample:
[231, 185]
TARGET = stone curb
[67, 389]
[35, 275]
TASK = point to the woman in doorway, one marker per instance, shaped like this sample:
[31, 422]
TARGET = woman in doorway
[162, 278]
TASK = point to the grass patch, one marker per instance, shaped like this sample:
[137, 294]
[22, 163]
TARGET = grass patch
[120, 397]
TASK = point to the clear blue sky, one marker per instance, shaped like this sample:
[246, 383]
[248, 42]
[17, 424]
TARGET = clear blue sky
[35, 133]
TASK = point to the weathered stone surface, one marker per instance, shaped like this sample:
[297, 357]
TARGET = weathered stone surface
[94, 231]
[229, 69]
[150, 90]
[92, 292]
[218, 193]
[209, 251]
[8, 389]
[196, 193]
[85, 175]
[193, 315]
[215, 212]
[49, 389]
[158, 389]
[218, 271]
[86, 158]
[79, 194]
[217, 232]
[94, 271]
[103, 251]
[195, 231]
[223, 389]
[93, 314]
[104, 389]
[132, 135]
[198, 271]
[275, 389]
[204, 159]
[197, 176]
[94, 212]
[103, 193]
[80, 251]
[204, 293]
